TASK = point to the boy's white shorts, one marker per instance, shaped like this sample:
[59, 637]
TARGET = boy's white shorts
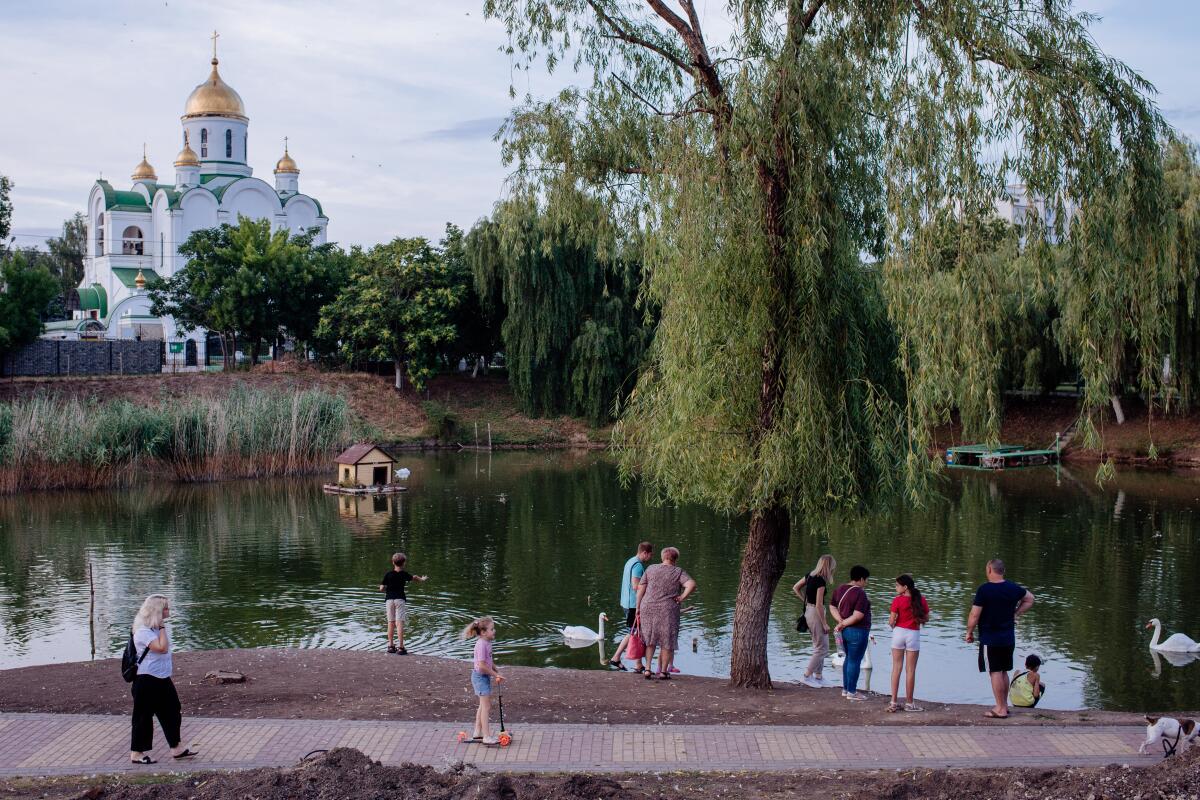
[397, 611]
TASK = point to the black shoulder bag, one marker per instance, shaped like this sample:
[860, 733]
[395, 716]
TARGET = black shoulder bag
[130, 660]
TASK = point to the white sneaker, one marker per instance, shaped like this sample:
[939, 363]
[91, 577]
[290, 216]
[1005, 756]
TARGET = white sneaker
[809, 680]
[855, 696]
[824, 684]
[490, 740]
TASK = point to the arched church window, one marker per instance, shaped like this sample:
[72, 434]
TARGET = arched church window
[131, 241]
[100, 233]
[204, 142]
[229, 144]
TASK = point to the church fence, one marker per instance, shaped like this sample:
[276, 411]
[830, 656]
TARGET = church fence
[84, 357]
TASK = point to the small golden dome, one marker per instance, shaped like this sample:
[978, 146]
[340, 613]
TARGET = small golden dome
[143, 171]
[214, 98]
[286, 164]
[140, 281]
[187, 156]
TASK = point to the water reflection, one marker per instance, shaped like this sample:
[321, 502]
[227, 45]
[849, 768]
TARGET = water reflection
[538, 540]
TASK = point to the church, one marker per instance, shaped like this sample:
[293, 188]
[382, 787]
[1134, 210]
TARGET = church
[134, 234]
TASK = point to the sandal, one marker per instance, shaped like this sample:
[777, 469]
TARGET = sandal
[143, 760]
[893, 708]
[663, 676]
[187, 753]
[989, 714]
[912, 707]
[618, 666]
[648, 675]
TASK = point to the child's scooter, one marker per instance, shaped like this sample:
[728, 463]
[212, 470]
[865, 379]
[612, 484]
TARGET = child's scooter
[504, 738]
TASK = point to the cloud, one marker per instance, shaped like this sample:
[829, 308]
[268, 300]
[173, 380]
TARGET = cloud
[469, 130]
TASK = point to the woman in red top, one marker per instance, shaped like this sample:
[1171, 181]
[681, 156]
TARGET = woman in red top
[908, 613]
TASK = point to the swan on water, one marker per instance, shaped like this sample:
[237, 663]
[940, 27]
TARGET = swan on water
[1175, 643]
[581, 633]
[839, 657]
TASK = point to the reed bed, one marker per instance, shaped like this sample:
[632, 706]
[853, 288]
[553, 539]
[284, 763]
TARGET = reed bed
[49, 442]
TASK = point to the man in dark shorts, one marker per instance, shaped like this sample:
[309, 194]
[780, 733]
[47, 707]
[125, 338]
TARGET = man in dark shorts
[631, 577]
[995, 609]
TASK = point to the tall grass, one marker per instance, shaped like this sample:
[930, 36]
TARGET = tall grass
[50, 442]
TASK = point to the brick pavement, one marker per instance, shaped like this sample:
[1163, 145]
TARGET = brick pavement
[57, 744]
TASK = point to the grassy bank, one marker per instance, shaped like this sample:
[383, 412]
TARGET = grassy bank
[52, 441]
[402, 418]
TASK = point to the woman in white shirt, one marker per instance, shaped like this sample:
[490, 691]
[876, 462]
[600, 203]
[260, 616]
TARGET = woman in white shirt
[154, 693]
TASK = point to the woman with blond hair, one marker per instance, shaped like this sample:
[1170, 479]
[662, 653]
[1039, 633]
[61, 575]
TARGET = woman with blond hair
[815, 586]
[153, 691]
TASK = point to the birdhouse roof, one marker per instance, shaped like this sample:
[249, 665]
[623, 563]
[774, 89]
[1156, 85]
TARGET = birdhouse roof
[358, 453]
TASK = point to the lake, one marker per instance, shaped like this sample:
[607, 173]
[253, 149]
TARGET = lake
[538, 541]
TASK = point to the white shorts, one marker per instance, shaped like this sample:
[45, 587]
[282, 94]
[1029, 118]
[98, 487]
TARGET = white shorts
[397, 611]
[906, 639]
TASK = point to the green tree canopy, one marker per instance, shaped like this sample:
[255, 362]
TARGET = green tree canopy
[567, 295]
[250, 282]
[5, 211]
[28, 288]
[398, 305]
[764, 163]
[65, 262]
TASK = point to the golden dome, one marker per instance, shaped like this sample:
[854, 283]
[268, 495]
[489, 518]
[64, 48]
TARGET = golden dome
[286, 164]
[187, 156]
[143, 171]
[214, 98]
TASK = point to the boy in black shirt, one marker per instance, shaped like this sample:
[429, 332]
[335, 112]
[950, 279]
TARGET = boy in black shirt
[397, 611]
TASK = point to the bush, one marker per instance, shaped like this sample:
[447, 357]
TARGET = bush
[443, 423]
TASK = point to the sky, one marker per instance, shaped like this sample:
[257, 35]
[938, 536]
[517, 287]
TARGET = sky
[389, 106]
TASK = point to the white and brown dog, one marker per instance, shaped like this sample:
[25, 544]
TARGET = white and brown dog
[1174, 734]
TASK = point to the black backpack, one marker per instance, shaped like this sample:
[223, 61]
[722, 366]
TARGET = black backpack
[130, 660]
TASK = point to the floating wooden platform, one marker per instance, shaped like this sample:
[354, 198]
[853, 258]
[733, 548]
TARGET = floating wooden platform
[391, 488]
[1003, 456]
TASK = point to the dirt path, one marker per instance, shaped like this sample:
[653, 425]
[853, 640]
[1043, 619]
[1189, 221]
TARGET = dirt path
[339, 684]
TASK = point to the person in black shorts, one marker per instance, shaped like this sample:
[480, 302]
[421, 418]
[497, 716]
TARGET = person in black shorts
[994, 611]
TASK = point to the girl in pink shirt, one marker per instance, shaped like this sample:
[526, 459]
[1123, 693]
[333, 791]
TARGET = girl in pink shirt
[908, 613]
[483, 673]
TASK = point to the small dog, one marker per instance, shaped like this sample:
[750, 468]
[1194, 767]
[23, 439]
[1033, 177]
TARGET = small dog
[1174, 734]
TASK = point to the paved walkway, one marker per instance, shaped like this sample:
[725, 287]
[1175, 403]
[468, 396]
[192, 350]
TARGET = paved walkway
[55, 744]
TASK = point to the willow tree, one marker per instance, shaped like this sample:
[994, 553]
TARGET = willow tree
[566, 293]
[764, 163]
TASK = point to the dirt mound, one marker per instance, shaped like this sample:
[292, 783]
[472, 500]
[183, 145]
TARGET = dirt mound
[343, 774]
[1176, 778]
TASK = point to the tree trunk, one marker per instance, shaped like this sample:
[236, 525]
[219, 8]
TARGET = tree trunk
[229, 345]
[399, 374]
[254, 352]
[763, 563]
[1117, 410]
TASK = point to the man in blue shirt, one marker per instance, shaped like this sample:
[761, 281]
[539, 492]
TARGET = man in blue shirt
[994, 611]
[631, 576]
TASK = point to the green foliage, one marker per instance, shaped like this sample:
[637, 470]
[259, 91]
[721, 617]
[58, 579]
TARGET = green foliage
[1182, 177]
[67, 253]
[443, 422]
[762, 166]
[5, 211]
[244, 433]
[398, 306]
[27, 290]
[252, 283]
[572, 335]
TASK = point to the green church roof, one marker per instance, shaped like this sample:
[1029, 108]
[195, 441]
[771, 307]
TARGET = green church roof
[93, 298]
[128, 276]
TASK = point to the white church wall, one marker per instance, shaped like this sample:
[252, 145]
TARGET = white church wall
[216, 160]
[301, 214]
[250, 197]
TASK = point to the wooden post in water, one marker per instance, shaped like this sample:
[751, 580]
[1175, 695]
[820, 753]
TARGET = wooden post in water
[92, 610]
[477, 433]
[489, 436]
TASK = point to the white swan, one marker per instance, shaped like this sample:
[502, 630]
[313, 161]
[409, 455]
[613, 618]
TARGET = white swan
[1175, 643]
[839, 658]
[580, 633]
